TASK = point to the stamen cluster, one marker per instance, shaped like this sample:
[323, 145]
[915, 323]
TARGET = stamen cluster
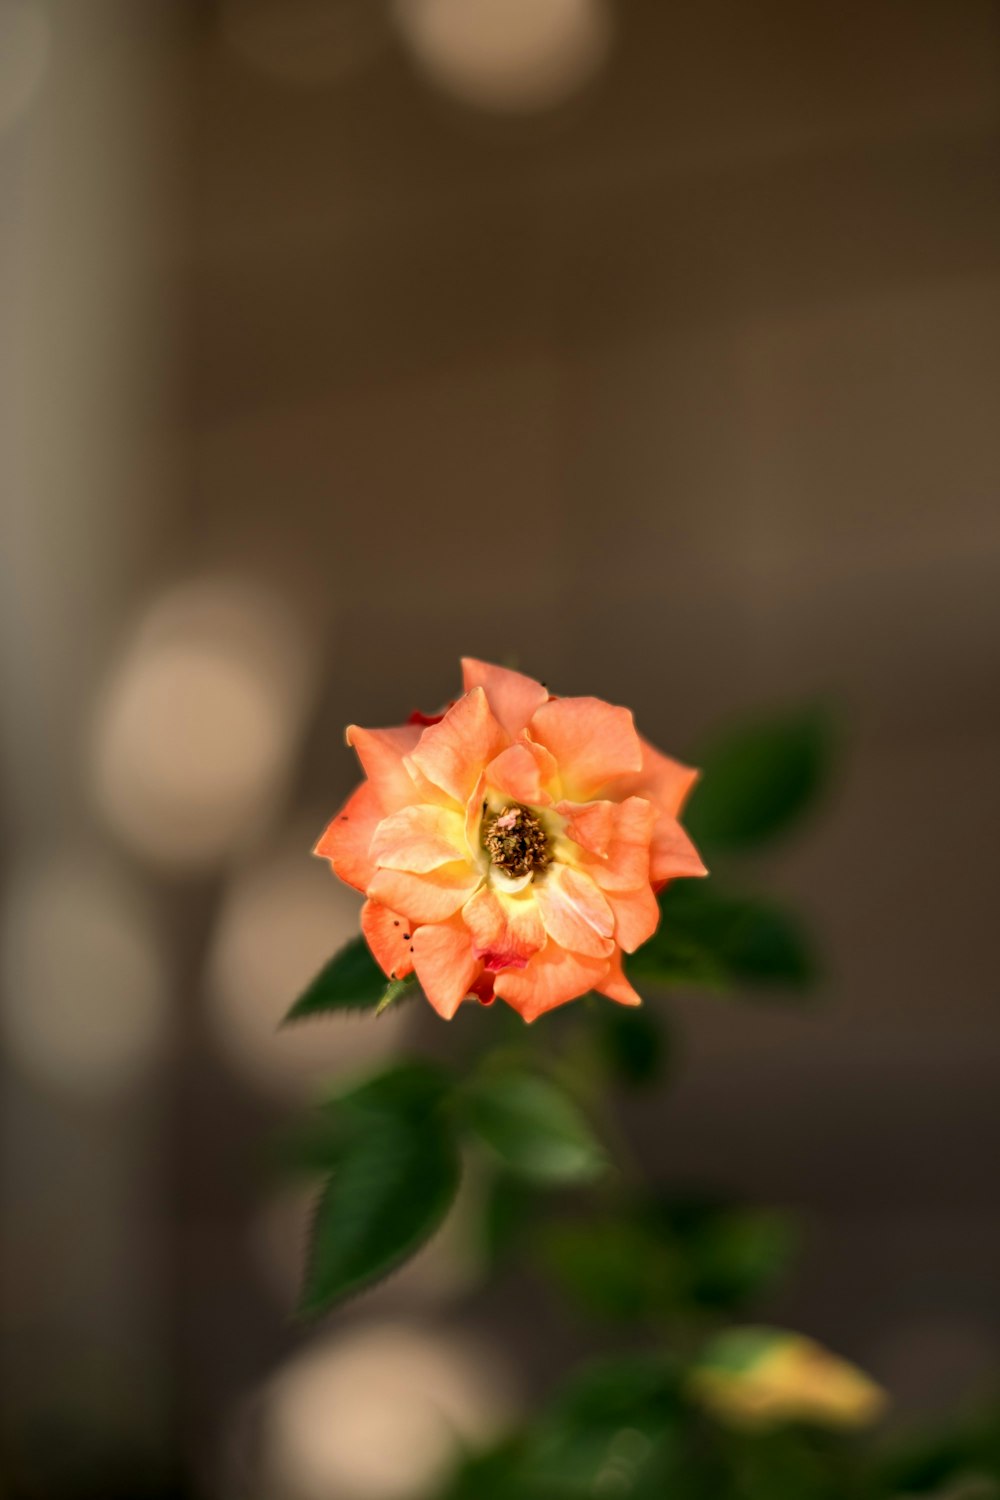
[515, 842]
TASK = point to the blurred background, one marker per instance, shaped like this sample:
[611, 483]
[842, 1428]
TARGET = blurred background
[651, 347]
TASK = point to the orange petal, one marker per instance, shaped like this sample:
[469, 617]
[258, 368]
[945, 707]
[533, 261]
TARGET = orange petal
[452, 754]
[474, 810]
[575, 913]
[637, 916]
[388, 936]
[506, 930]
[589, 824]
[445, 963]
[346, 842]
[616, 986]
[625, 865]
[521, 771]
[512, 697]
[661, 780]
[592, 741]
[433, 897]
[551, 978]
[672, 853]
[419, 839]
[382, 752]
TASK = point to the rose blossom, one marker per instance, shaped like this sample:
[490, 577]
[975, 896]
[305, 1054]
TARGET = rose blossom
[512, 846]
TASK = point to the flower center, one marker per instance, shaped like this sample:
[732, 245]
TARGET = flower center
[515, 841]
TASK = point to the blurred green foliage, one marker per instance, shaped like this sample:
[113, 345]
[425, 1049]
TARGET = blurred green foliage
[667, 1270]
[626, 1427]
[758, 780]
[389, 1150]
[961, 1460]
[667, 1259]
[708, 937]
[533, 1126]
[636, 1044]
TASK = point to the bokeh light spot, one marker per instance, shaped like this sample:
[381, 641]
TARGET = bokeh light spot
[194, 734]
[84, 995]
[281, 919]
[516, 55]
[24, 55]
[377, 1413]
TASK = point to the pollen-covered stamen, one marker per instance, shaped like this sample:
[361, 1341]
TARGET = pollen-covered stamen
[515, 841]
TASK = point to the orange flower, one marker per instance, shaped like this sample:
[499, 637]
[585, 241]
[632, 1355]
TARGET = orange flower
[512, 846]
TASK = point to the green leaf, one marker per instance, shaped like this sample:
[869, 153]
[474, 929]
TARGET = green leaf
[611, 1269]
[725, 1255]
[395, 990]
[766, 946]
[709, 938]
[408, 1090]
[634, 1043]
[510, 1208]
[666, 1257]
[758, 780]
[788, 1464]
[493, 1475]
[351, 980]
[608, 1432]
[396, 1175]
[534, 1127]
[740, 1254]
[931, 1459]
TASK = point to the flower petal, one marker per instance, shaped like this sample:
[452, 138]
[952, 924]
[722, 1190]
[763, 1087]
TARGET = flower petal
[637, 916]
[661, 780]
[521, 771]
[672, 853]
[616, 986]
[381, 753]
[474, 810]
[346, 843]
[625, 865]
[506, 930]
[576, 914]
[453, 753]
[433, 897]
[388, 936]
[512, 696]
[445, 963]
[589, 824]
[551, 978]
[419, 839]
[592, 741]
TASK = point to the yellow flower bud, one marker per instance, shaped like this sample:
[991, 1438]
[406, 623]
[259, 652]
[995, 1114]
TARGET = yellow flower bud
[764, 1377]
